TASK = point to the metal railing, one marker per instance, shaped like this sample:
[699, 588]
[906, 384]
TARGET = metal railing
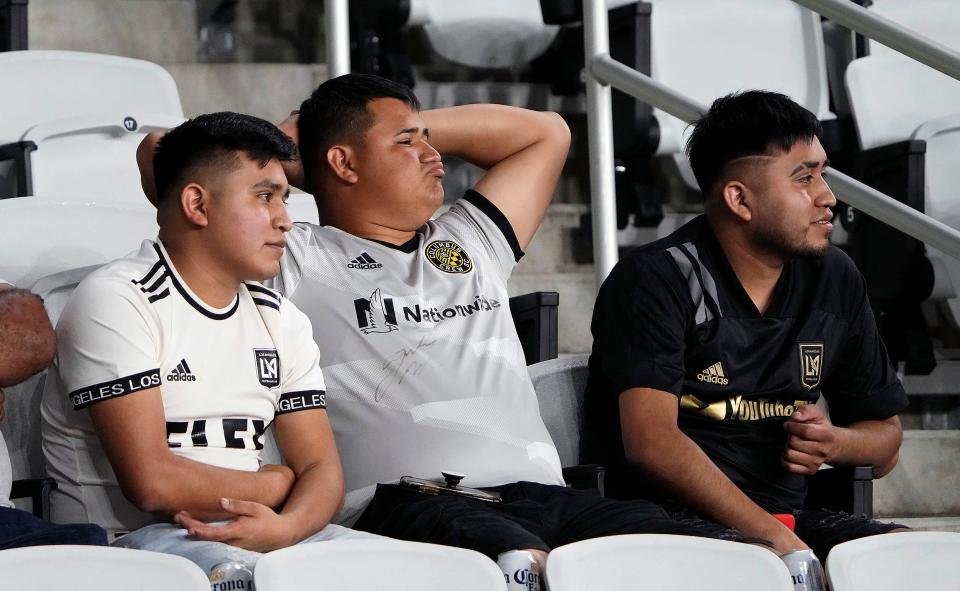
[336, 20]
[602, 72]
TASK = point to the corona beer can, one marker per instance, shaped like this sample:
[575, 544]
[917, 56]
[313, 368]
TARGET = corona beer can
[805, 570]
[231, 576]
[521, 571]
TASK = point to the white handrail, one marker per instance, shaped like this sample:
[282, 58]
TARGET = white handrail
[337, 28]
[602, 71]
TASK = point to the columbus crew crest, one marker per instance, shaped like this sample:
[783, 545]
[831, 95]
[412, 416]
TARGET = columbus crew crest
[811, 364]
[448, 256]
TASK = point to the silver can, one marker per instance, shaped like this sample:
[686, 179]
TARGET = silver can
[805, 570]
[521, 570]
[231, 576]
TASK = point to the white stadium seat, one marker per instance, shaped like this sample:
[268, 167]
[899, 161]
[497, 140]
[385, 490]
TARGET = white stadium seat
[41, 236]
[97, 568]
[938, 20]
[374, 565]
[658, 561]
[560, 384]
[895, 98]
[86, 113]
[924, 561]
[709, 49]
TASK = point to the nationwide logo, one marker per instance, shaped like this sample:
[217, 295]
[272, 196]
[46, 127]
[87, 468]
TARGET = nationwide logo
[713, 375]
[364, 261]
[375, 314]
[181, 373]
[448, 256]
[378, 314]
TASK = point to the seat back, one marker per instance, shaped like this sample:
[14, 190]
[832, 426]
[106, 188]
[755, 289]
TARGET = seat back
[491, 34]
[560, 384]
[399, 566]
[658, 561]
[894, 562]
[86, 113]
[98, 568]
[42, 236]
[892, 95]
[935, 19]
[708, 49]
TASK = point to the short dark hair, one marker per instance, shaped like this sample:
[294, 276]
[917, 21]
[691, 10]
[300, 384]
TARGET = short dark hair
[214, 140]
[748, 123]
[337, 111]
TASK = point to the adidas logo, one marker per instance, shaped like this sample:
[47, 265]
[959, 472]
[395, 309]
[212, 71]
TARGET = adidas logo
[181, 373]
[713, 375]
[364, 261]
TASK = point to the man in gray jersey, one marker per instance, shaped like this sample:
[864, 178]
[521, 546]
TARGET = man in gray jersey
[423, 365]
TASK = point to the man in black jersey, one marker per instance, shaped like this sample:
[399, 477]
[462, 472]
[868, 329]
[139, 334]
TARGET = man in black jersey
[712, 344]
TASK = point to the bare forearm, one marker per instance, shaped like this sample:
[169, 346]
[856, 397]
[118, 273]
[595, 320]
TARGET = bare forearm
[704, 488]
[487, 134]
[27, 340]
[315, 498]
[876, 443]
[177, 484]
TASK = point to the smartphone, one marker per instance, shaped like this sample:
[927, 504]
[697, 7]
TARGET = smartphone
[432, 487]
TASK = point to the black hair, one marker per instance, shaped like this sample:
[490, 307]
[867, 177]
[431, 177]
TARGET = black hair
[748, 123]
[337, 111]
[213, 141]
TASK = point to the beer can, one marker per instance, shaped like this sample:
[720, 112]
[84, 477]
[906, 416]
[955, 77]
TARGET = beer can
[231, 576]
[805, 570]
[521, 570]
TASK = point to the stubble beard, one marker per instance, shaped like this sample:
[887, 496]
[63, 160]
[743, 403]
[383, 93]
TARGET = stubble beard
[775, 240]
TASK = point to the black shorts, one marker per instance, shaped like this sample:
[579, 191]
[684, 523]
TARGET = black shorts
[531, 516]
[821, 529]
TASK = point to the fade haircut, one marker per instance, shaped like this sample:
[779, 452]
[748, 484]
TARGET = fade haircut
[212, 142]
[749, 123]
[337, 112]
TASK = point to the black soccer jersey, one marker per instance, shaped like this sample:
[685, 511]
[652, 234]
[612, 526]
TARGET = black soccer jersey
[674, 317]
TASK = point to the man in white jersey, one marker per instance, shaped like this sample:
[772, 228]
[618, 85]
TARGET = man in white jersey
[27, 345]
[423, 365]
[182, 362]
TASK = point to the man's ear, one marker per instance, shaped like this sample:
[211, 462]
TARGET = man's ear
[341, 160]
[193, 203]
[735, 196]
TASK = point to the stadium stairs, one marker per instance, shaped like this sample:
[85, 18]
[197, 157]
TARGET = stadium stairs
[923, 491]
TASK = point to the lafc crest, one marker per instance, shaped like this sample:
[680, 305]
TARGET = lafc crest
[811, 364]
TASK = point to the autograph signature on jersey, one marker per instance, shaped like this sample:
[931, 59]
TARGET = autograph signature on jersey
[399, 366]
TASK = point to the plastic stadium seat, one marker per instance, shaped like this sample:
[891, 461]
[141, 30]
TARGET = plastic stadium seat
[937, 20]
[71, 122]
[707, 49]
[41, 236]
[374, 565]
[894, 562]
[560, 384]
[97, 568]
[658, 561]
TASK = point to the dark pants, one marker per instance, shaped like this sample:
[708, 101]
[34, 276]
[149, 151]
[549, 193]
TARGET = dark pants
[19, 528]
[531, 516]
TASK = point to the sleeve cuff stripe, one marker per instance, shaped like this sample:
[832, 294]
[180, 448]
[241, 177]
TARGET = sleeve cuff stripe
[303, 400]
[496, 216]
[84, 397]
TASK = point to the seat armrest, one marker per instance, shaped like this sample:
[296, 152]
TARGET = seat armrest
[586, 477]
[38, 489]
[535, 316]
[848, 489]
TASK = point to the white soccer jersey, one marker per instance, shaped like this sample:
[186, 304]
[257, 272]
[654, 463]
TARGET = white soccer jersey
[223, 373]
[424, 368]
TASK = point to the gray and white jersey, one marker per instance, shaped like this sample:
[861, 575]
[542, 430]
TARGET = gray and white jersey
[423, 366]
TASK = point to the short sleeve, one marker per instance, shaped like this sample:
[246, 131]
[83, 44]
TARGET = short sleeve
[639, 325]
[302, 387]
[864, 385]
[107, 343]
[481, 223]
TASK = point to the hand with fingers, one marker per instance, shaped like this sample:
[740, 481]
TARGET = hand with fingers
[811, 440]
[254, 527]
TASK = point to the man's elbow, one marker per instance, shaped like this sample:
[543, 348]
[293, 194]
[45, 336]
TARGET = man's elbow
[28, 344]
[557, 131]
[881, 470]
